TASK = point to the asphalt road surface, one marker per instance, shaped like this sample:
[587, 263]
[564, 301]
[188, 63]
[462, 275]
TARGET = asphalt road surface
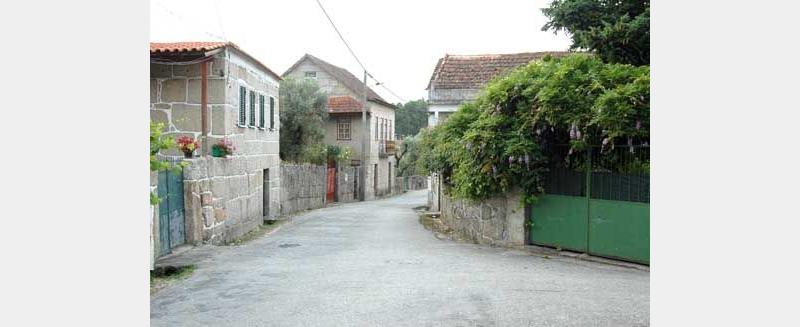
[373, 264]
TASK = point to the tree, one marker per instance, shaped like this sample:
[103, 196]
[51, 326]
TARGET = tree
[303, 116]
[504, 138]
[411, 117]
[618, 31]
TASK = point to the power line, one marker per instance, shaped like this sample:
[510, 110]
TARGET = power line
[353, 53]
[340, 35]
[185, 21]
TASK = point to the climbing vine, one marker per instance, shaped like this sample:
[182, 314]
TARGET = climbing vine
[503, 138]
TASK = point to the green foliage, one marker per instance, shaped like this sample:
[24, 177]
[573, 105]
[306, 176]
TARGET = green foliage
[320, 154]
[502, 139]
[408, 156]
[411, 117]
[618, 31]
[159, 142]
[303, 116]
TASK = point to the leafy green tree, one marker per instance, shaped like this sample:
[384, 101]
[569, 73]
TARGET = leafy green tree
[501, 139]
[618, 31]
[411, 117]
[303, 116]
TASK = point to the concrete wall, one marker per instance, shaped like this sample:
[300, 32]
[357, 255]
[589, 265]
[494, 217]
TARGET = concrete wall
[303, 187]
[496, 221]
[223, 197]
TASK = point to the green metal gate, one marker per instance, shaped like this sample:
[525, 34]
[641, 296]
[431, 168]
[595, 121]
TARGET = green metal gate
[612, 219]
[171, 223]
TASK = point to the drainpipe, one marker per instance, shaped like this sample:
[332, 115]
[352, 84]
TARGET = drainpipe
[204, 104]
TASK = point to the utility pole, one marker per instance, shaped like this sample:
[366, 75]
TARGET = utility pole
[364, 144]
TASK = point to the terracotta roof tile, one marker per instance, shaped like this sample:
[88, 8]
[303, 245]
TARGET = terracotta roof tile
[343, 103]
[156, 47]
[473, 71]
[167, 48]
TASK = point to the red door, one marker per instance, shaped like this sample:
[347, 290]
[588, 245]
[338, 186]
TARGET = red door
[331, 184]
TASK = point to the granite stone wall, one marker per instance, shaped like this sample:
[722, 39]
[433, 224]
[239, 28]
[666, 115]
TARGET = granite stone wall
[495, 221]
[303, 187]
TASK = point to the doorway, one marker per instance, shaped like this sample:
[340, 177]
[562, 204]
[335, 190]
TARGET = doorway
[265, 197]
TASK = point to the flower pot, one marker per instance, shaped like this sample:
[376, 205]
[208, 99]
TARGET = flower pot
[217, 152]
[188, 154]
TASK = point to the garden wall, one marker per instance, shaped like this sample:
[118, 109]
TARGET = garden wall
[495, 221]
[224, 197]
[416, 182]
[303, 187]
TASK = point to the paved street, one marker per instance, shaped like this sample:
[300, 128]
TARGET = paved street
[373, 264]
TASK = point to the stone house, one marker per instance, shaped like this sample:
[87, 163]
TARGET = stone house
[213, 91]
[458, 78]
[345, 127]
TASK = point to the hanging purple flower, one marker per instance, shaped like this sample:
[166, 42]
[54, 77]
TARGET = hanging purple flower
[605, 141]
[638, 124]
[494, 170]
[572, 132]
[527, 159]
[468, 145]
[511, 160]
[578, 134]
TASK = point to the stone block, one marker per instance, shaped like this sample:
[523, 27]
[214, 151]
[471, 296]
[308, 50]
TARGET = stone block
[153, 91]
[205, 198]
[208, 216]
[159, 116]
[220, 187]
[187, 118]
[186, 70]
[220, 122]
[220, 214]
[216, 91]
[218, 66]
[160, 71]
[173, 90]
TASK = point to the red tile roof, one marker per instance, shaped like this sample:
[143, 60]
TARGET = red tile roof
[343, 103]
[473, 71]
[156, 47]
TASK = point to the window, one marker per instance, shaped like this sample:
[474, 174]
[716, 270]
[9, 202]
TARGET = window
[261, 111]
[271, 113]
[252, 109]
[242, 100]
[343, 129]
[376, 128]
[311, 75]
[391, 131]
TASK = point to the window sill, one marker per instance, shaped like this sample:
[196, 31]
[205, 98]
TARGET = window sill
[240, 125]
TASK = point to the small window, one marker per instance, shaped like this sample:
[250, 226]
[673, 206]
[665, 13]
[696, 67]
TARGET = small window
[252, 109]
[272, 113]
[376, 129]
[261, 110]
[242, 105]
[343, 129]
[311, 75]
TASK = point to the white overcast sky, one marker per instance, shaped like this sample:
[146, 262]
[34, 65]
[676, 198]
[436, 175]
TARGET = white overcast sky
[398, 41]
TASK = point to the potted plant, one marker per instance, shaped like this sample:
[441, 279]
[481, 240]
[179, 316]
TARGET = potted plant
[187, 145]
[223, 148]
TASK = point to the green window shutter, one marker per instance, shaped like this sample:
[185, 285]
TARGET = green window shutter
[261, 110]
[242, 98]
[252, 109]
[271, 113]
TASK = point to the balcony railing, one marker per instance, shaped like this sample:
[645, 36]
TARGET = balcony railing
[386, 148]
